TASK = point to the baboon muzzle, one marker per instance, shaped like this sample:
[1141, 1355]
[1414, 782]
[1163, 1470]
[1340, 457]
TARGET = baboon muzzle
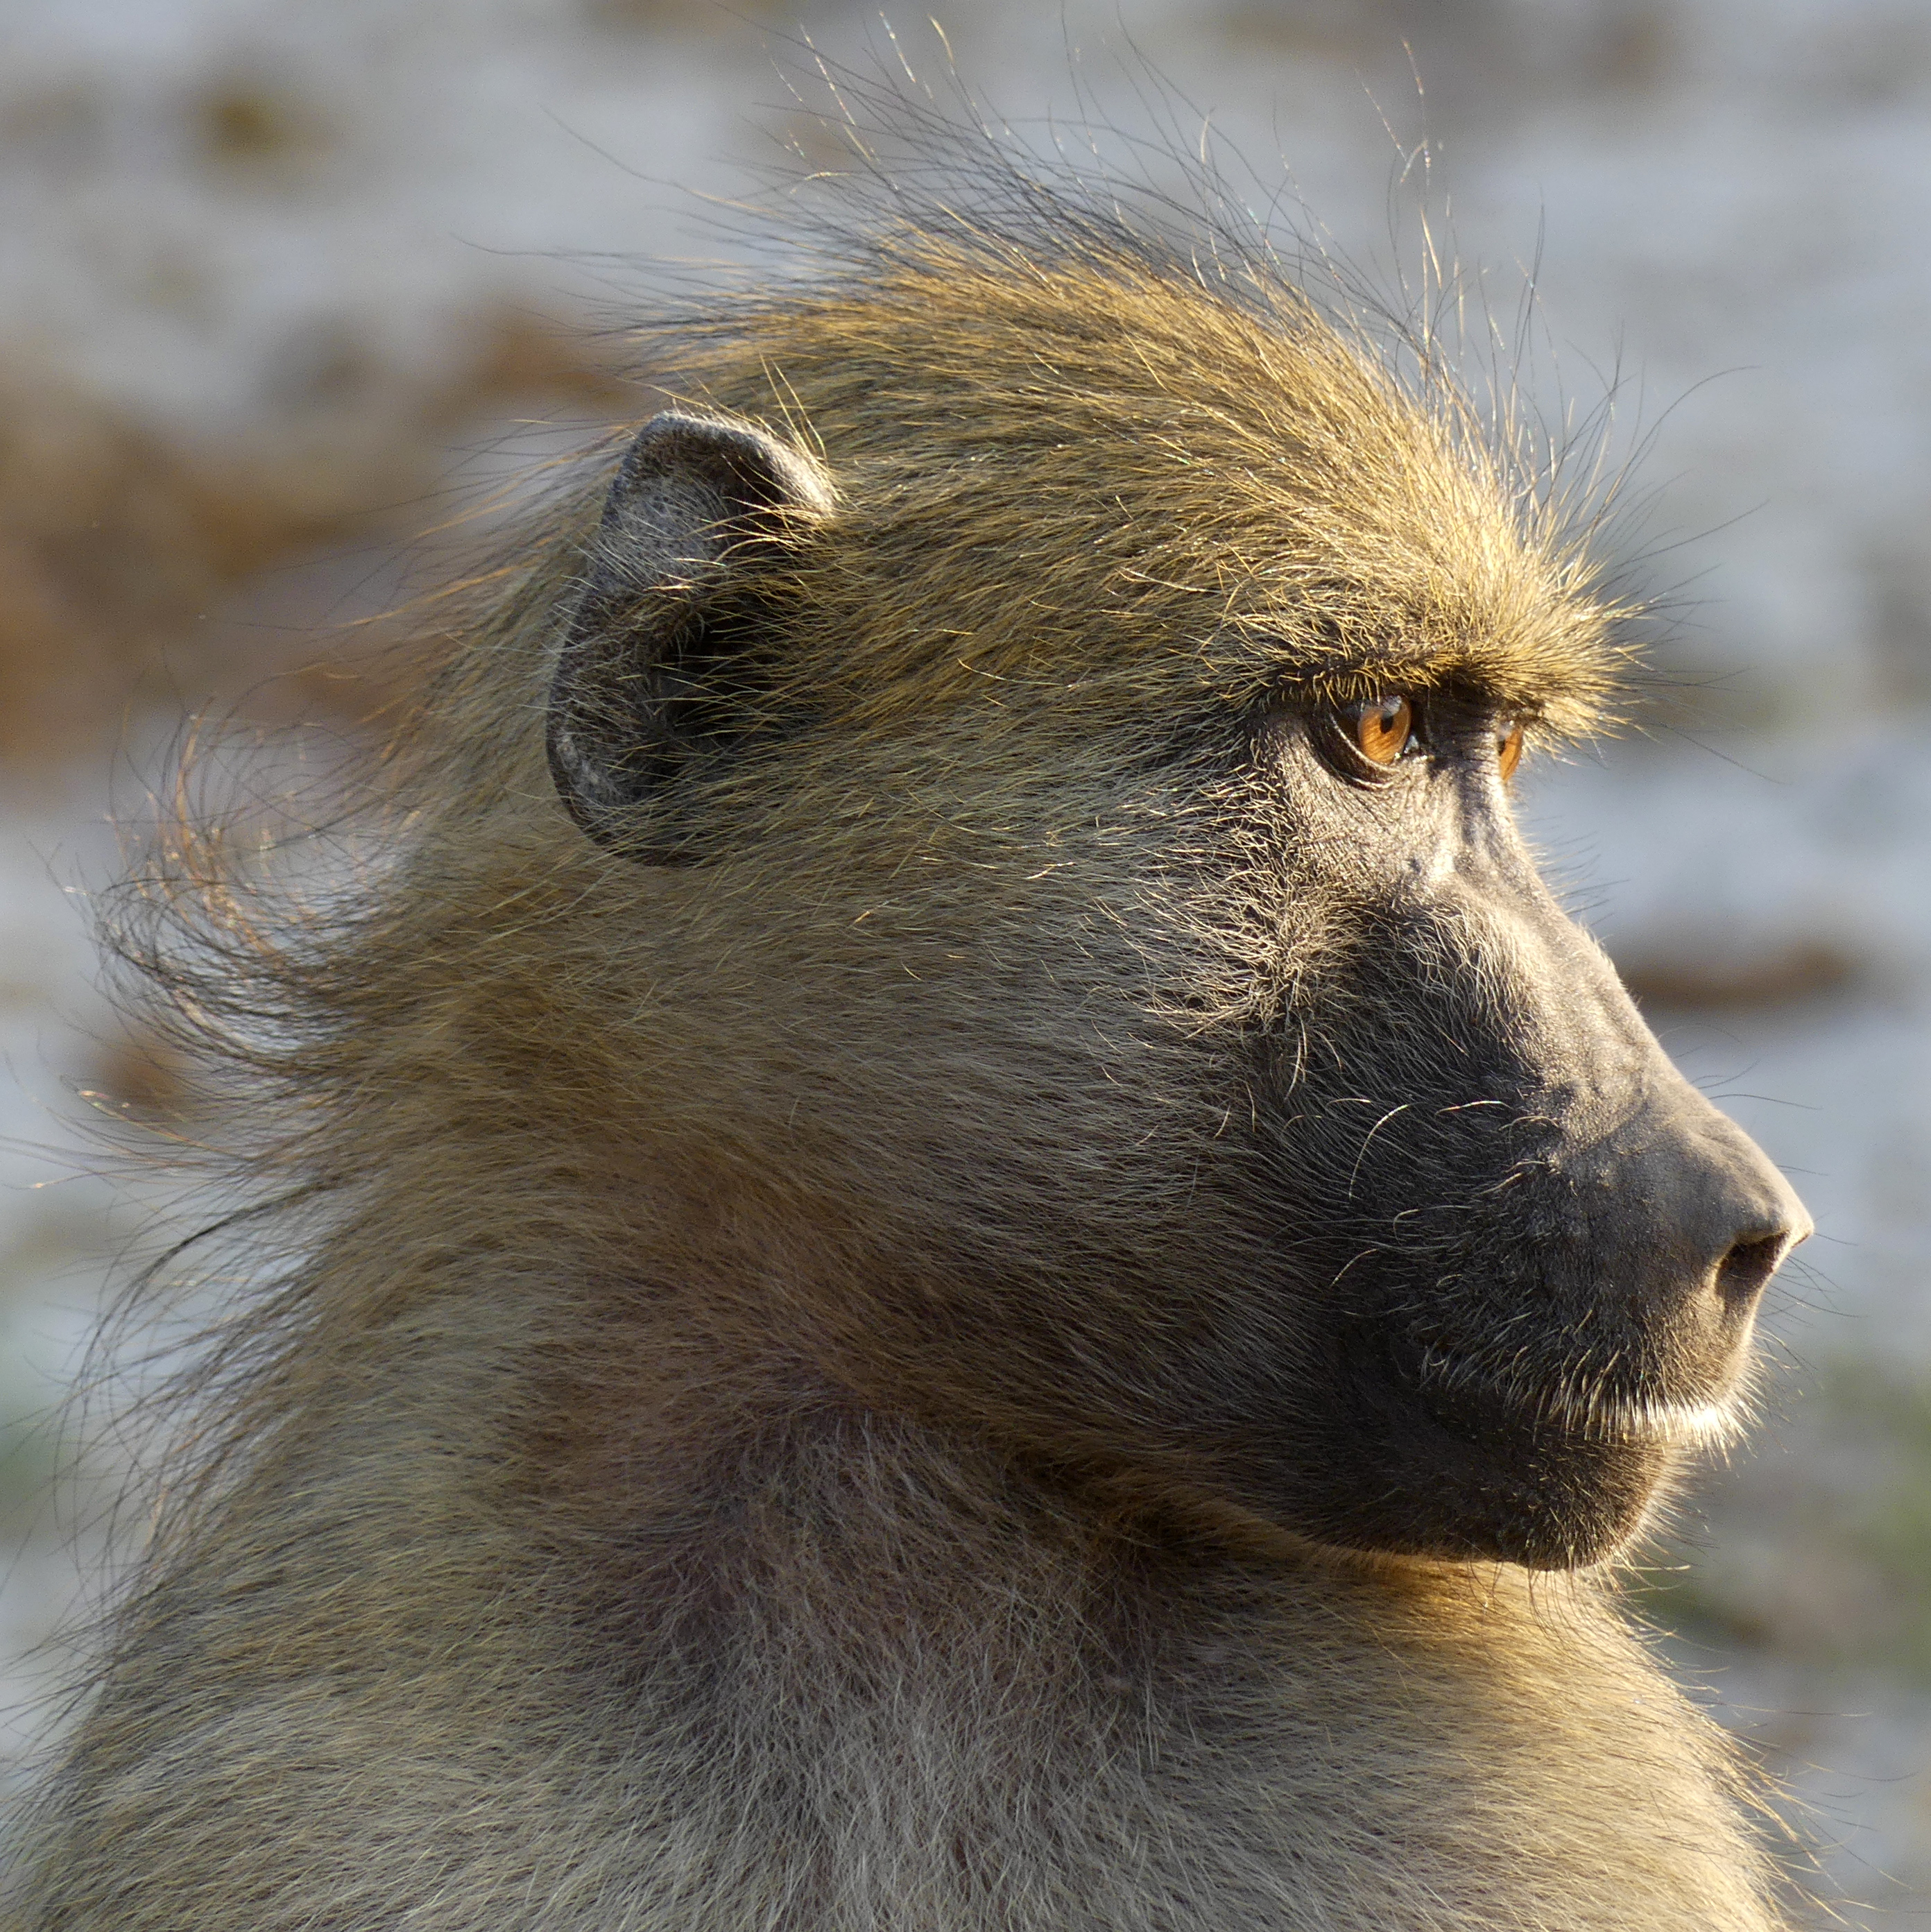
[1546, 1248]
[1696, 1217]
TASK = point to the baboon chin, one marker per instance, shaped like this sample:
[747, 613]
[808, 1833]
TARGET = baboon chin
[933, 1247]
[1466, 1470]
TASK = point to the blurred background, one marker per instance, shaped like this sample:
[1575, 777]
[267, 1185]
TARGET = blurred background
[286, 285]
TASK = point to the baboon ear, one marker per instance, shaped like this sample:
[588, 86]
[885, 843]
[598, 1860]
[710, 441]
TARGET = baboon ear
[650, 674]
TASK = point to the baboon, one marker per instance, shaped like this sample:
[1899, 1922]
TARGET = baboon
[948, 1237]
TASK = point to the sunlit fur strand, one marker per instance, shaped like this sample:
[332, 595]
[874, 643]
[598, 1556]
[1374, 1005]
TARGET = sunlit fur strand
[1168, 387]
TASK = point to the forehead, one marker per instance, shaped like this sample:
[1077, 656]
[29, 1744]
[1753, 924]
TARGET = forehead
[1097, 474]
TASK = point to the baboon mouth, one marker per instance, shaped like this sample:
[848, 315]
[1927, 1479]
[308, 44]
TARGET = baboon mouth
[1473, 1402]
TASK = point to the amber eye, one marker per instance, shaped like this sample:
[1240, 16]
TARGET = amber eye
[1508, 747]
[1382, 729]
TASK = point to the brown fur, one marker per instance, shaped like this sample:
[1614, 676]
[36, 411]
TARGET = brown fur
[699, 1462]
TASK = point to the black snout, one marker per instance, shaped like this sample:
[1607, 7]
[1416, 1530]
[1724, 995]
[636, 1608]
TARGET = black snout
[1528, 1408]
[1543, 1250]
[1701, 1216]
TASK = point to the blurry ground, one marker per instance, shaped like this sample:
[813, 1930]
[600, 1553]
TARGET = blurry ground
[272, 275]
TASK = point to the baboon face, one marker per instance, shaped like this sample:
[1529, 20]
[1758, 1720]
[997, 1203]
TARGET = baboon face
[1228, 1111]
[1541, 1250]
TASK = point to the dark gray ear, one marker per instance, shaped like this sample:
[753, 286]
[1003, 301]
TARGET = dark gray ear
[701, 510]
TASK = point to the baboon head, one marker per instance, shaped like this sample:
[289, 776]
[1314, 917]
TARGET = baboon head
[1043, 716]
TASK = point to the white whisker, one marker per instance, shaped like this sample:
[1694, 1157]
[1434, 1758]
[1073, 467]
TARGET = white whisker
[1686, 1424]
[1595, 1414]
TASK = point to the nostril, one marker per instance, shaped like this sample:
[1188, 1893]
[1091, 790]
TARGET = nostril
[1742, 1273]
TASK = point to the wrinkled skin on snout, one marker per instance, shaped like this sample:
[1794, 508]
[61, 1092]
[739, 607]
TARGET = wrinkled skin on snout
[1532, 1251]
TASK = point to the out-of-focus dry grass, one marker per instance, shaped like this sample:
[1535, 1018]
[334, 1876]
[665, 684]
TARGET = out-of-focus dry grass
[145, 578]
[125, 553]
